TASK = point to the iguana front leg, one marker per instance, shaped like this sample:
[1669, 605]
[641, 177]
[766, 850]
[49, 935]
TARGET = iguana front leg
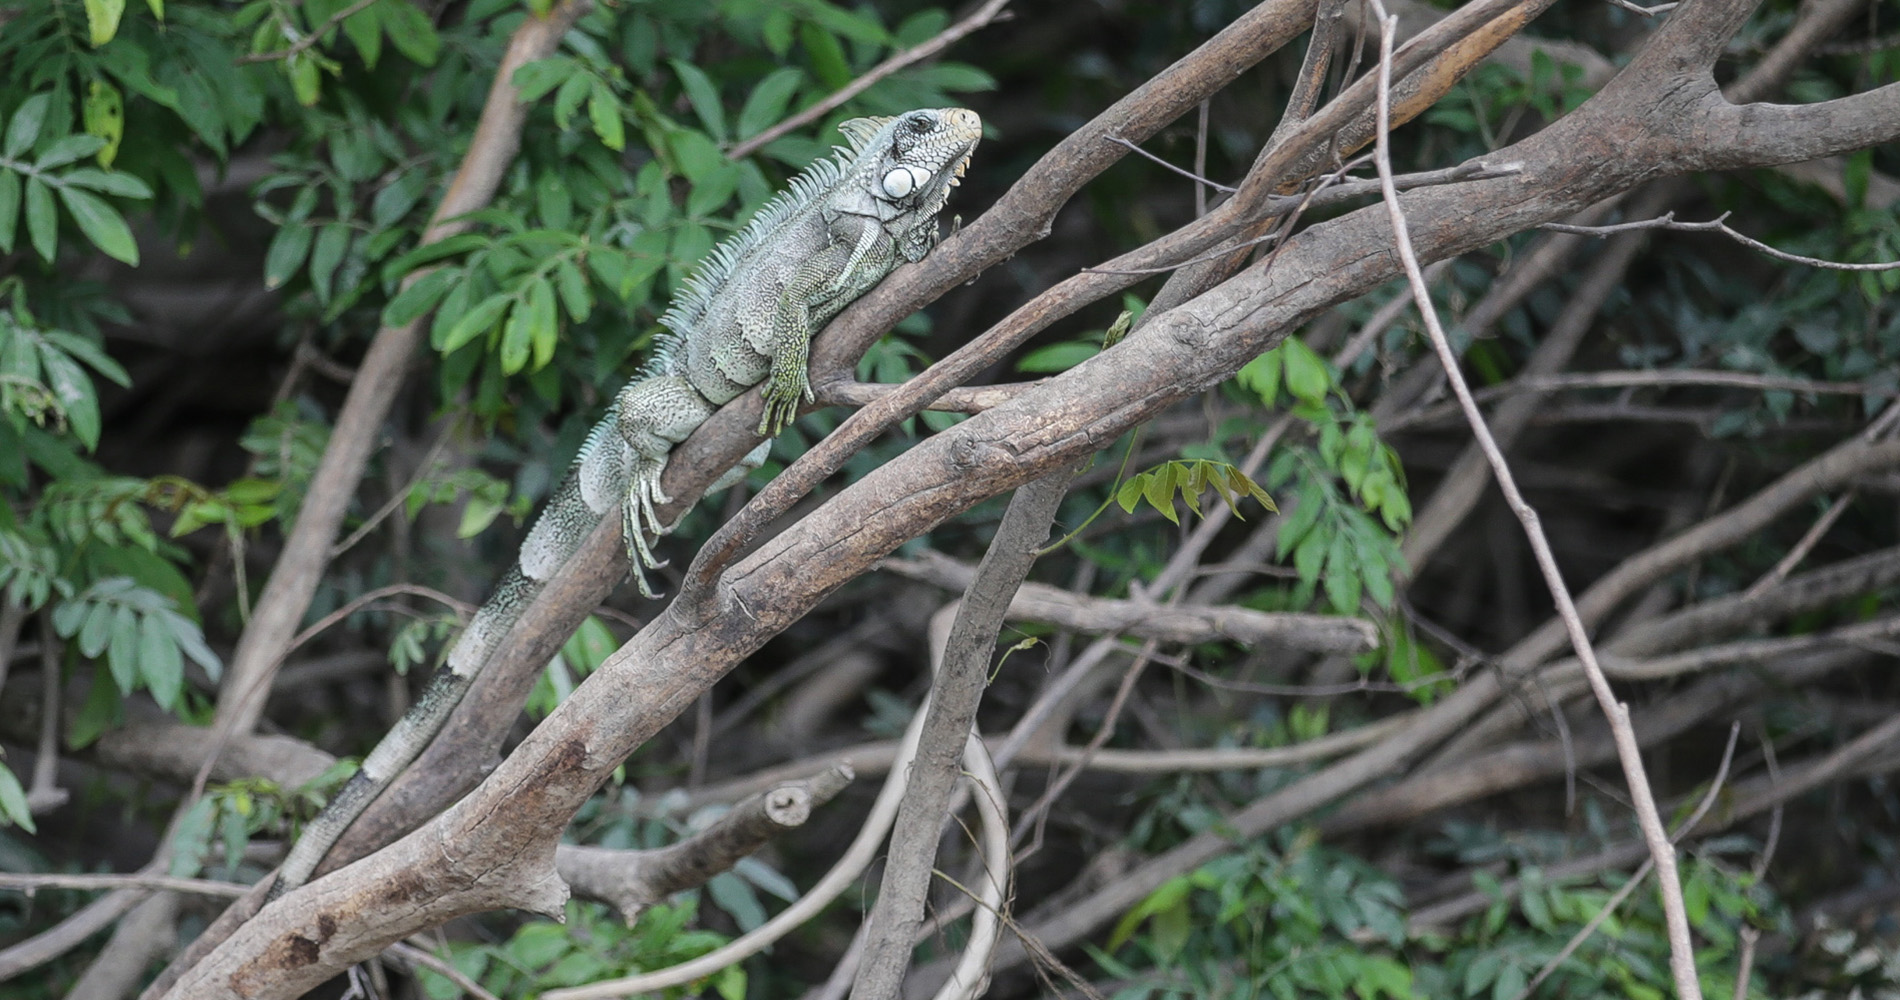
[838, 271]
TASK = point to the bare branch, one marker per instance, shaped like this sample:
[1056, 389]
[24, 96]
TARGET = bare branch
[632, 881]
[138, 880]
[1681, 950]
[1718, 225]
[949, 729]
[1043, 603]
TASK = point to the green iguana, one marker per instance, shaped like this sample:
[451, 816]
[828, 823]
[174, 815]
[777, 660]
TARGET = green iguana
[746, 317]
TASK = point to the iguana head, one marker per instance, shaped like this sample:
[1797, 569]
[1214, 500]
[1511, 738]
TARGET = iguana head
[906, 165]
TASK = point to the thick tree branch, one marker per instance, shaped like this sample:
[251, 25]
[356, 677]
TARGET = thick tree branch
[1039, 602]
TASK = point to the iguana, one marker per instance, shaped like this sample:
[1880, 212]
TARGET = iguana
[744, 318]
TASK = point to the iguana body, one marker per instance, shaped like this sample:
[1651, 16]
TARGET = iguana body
[745, 318]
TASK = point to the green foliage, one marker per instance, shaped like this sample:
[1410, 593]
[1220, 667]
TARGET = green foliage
[1189, 479]
[1332, 539]
[1489, 103]
[1304, 921]
[13, 807]
[420, 642]
[1311, 920]
[139, 633]
[39, 163]
[582, 654]
[43, 378]
[220, 824]
[590, 946]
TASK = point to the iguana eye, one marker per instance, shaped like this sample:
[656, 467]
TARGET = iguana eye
[922, 123]
[901, 181]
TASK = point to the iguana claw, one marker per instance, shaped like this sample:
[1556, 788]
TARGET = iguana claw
[640, 518]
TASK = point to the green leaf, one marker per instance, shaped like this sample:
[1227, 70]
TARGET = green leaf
[25, 126]
[71, 149]
[1130, 494]
[41, 222]
[827, 56]
[1306, 375]
[534, 80]
[90, 353]
[365, 31]
[286, 253]
[1160, 495]
[105, 182]
[768, 101]
[544, 325]
[9, 208]
[429, 253]
[696, 156]
[190, 640]
[576, 296]
[13, 801]
[1342, 575]
[333, 240]
[102, 19]
[411, 31]
[75, 393]
[103, 709]
[470, 324]
[603, 111]
[568, 99]
[1261, 376]
[306, 78]
[420, 296]
[159, 662]
[712, 190]
[703, 94]
[1170, 894]
[122, 646]
[102, 224]
[104, 115]
[397, 197]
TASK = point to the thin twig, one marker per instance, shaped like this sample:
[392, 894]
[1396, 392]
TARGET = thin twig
[1802, 547]
[310, 39]
[196, 886]
[1745, 963]
[399, 497]
[1661, 8]
[943, 40]
[1681, 950]
[1718, 225]
[44, 794]
[461, 609]
[1333, 189]
[420, 956]
[1640, 379]
[1219, 252]
[1202, 182]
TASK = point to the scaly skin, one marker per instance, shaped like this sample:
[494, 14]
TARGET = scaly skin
[745, 318]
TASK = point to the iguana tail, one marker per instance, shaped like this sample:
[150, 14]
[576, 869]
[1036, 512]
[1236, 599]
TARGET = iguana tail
[594, 486]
